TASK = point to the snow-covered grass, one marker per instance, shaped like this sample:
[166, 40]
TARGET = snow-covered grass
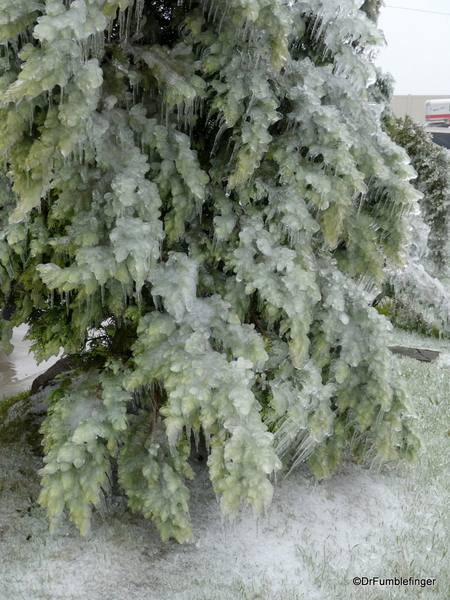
[393, 522]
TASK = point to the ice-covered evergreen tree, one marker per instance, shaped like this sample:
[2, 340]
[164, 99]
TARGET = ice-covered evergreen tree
[199, 203]
[416, 296]
[432, 164]
[372, 9]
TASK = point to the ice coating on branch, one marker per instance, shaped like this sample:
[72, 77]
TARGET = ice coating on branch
[204, 387]
[79, 21]
[200, 204]
[421, 285]
[425, 292]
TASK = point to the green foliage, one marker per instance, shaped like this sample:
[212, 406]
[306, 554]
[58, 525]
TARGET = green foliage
[432, 164]
[402, 314]
[19, 423]
[416, 298]
[199, 202]
[7, 401]
[85, 421]
[372, 9]
[153, 477]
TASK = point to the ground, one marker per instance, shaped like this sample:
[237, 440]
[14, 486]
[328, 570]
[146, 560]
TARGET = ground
[366, 521]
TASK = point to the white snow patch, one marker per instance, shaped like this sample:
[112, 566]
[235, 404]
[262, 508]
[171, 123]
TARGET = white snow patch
[19, 369]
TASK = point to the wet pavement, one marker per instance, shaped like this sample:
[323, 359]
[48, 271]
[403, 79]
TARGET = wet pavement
[18, 370]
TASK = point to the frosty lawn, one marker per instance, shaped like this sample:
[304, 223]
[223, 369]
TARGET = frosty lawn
[392, 522]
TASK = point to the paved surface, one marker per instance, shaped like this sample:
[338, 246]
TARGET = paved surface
[18, 370]
[418, 353]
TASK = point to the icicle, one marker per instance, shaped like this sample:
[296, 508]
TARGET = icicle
[165, 108]
[216, 11]
[109, 31]
[211, 8]
[187, 112]
[138, 297]
[305, 450]
[138, 10]
[31, 117]
[14, 45]
[84, 46]
[318, 25]
[194, 108]
[223, 127]
[97, 41]
[222, 19]
[67, 301]
[121, 24]
[7, 63]
[188, 436]
[179, 111]
[128, 20]
[134, 92]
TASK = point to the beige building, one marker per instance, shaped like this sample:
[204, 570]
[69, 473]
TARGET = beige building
[414, 106]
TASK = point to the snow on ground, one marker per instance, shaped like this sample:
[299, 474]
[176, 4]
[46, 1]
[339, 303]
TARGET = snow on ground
[315, 539]
[335, 526]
